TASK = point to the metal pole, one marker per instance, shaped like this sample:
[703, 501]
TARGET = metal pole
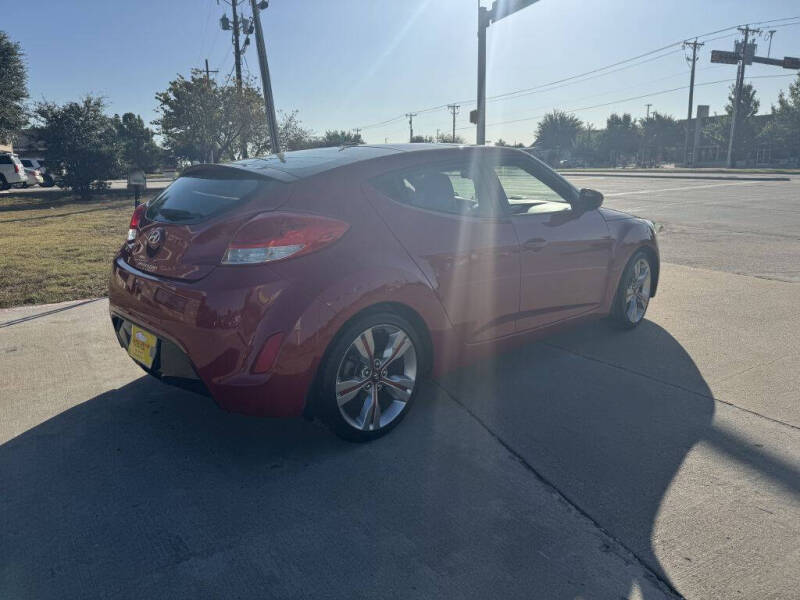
[269, 104]
[737, 99]
[483, 24]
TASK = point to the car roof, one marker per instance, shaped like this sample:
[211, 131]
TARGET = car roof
[300, 164]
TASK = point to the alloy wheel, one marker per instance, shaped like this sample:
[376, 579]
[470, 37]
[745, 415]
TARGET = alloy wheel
[376, 377]
[637, 294]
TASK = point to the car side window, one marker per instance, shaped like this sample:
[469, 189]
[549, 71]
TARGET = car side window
[450, 188]
[5, 160]
[528, 193]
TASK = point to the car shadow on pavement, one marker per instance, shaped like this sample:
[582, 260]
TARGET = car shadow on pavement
[149, 491]
[607, 418]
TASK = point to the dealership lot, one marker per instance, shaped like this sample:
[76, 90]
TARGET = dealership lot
[594, 464]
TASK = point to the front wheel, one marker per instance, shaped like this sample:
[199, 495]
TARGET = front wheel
[369, 378]
[633, 294]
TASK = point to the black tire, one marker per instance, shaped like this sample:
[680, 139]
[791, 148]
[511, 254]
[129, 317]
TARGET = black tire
[621, 315]
[326, 403]
[48, 182]
[3, 183]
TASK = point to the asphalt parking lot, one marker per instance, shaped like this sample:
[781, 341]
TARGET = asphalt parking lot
[658, 463]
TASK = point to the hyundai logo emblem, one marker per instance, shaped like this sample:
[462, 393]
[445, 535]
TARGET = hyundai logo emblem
[154, 238]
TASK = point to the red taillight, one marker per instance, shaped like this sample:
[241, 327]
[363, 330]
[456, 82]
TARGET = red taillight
[275, 236]
[16, 168]
[269, 353]
[136, 218]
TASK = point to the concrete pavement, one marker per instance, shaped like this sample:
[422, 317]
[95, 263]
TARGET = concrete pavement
[115, 485]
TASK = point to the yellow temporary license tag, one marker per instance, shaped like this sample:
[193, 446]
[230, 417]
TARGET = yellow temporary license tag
[142, 346]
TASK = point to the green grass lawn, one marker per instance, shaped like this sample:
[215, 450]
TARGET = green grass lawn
[55, 247]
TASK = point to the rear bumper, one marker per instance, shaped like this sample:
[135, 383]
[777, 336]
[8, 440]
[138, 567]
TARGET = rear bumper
[211, 331]
[171, 365]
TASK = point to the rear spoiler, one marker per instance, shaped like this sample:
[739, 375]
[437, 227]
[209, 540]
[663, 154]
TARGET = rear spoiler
[239, 170]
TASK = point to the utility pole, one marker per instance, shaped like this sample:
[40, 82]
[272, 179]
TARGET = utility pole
[486, 16]
[771, 32]
[237, 52]
[453, 108]
[208, 74]
[648, 109]
[266, 83]
[743, 58]
[237, 55]
[411, 126]
[695, 45]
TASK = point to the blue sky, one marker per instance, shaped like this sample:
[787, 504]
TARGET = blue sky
[350, 63]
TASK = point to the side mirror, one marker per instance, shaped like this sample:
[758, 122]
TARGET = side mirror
[588, 200]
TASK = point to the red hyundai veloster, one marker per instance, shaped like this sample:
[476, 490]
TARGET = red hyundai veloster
[326, 282]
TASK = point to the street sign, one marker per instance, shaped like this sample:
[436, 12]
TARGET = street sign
[723, 56]
[791, 62]
[473, 116]
[503, 8]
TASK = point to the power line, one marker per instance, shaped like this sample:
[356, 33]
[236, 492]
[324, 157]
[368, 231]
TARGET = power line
[599, 71]
[621, 100]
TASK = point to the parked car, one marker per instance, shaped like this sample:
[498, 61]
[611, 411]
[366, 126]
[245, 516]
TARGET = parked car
[34, 178]
[12, 173]
[326, 282]
[38, 164]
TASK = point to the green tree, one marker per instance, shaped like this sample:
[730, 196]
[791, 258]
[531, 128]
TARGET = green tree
[620, 140]
[13, 89]
[203, 121]
[587, 145]
[340, 137]
[196, 119]
[662, 138]
[81, 143]
[557, 132]
[422, 139]
[444, 138]
[784, 129]
[747, 130]
[139, 150]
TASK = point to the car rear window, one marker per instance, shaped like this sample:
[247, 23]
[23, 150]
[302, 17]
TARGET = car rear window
[193, 198]
[27, 163]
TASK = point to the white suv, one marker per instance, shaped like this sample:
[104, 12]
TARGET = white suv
[12, 173]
